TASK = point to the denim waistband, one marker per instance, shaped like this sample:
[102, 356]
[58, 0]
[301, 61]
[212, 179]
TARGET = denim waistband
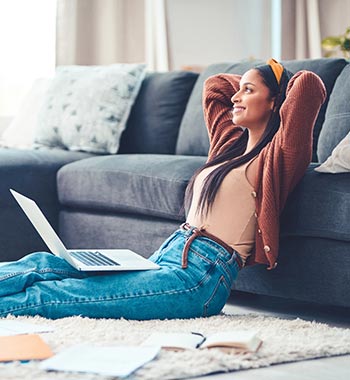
[197, 232]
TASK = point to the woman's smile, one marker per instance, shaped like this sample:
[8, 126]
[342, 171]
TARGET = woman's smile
[238, 109]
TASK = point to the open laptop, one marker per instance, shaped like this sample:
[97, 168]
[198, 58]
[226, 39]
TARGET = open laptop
[82, 259]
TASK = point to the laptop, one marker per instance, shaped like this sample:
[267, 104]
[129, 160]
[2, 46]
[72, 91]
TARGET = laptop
[82, 259]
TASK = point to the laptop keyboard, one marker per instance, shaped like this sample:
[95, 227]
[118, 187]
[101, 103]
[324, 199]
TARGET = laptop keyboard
[93, 258]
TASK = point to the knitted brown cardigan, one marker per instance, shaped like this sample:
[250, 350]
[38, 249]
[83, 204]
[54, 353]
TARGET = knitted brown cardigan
[282, 163]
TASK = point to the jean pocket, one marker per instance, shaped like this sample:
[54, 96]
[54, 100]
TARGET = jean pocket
[217, 299]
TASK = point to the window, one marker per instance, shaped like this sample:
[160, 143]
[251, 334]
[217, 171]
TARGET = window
[276, 29]
[27, 48]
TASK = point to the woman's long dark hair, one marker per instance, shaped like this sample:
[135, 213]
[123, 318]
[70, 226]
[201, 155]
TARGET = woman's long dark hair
[233, 157]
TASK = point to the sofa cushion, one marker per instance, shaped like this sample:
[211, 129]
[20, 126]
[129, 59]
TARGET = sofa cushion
[141, 233]
[319, 207]
[155, 118]
[138, 184]
[337, 119]
[309, 269]
[193, 137]
[86, 107]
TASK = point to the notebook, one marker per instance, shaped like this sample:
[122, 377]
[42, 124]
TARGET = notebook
[23, 347]
[82, 259]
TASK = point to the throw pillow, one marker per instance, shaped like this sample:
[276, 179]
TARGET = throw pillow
[154, 123]
[21, 130]
[86, 107]
[339, 160]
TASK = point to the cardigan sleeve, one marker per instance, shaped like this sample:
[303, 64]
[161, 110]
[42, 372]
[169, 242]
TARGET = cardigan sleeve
[217, 106]
[304, 98]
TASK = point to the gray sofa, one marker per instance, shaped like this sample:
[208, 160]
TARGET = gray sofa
[134, 198]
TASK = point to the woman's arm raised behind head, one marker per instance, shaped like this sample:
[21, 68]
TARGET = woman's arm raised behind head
[217, 107]
[304, 97]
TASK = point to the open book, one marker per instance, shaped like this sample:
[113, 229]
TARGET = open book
[239, 340]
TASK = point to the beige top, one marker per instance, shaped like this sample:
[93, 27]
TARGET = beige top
[232, 217]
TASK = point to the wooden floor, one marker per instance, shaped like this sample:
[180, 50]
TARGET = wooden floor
[337, 368]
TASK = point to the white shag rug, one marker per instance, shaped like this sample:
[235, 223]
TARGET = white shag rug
[284, 341]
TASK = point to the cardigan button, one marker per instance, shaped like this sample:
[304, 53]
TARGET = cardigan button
[259, 231]
[267, 249]
[255, 214]
[253, 194]
[273, 266]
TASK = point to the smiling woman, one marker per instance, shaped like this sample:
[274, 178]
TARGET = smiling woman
[234, 201]
[27, 40]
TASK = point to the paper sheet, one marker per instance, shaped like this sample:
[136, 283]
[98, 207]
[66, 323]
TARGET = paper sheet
[8, 327]
[110, 361]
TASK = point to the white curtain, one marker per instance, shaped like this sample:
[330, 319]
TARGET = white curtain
[108, 31]
[156, 42]
[308, 35]
[27, 49]
[99, 31]
[301, 34]
[306, 22]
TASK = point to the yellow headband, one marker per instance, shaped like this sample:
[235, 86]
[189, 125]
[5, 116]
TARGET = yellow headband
[277, 69]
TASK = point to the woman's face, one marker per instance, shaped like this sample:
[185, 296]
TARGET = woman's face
[252, 104]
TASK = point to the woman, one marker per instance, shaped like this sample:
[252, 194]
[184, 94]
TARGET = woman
[260, 127]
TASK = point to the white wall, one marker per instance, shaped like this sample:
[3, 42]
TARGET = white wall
[202, 32]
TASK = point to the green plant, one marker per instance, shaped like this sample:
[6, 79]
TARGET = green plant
[332, 43]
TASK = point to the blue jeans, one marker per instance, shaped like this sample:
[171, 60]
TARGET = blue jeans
[46, 285]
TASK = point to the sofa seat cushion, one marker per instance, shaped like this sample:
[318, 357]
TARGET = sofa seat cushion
[139, 184]
[319, 207]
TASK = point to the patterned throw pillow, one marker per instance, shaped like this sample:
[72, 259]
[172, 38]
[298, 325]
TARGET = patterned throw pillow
[339, 160]
[86, 107]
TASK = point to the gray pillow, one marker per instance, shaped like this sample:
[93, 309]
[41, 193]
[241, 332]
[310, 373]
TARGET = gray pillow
[337, 119]
[155, 118]
[86, 107]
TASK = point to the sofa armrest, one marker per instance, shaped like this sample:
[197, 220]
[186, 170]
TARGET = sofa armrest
[32, 173]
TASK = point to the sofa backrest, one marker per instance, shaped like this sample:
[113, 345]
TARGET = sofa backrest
[193, 138]
[337, 120]
[156, 115]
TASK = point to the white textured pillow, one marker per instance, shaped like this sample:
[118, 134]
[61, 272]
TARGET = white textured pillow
[87, 107]
[21, 130]
[339, 160]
